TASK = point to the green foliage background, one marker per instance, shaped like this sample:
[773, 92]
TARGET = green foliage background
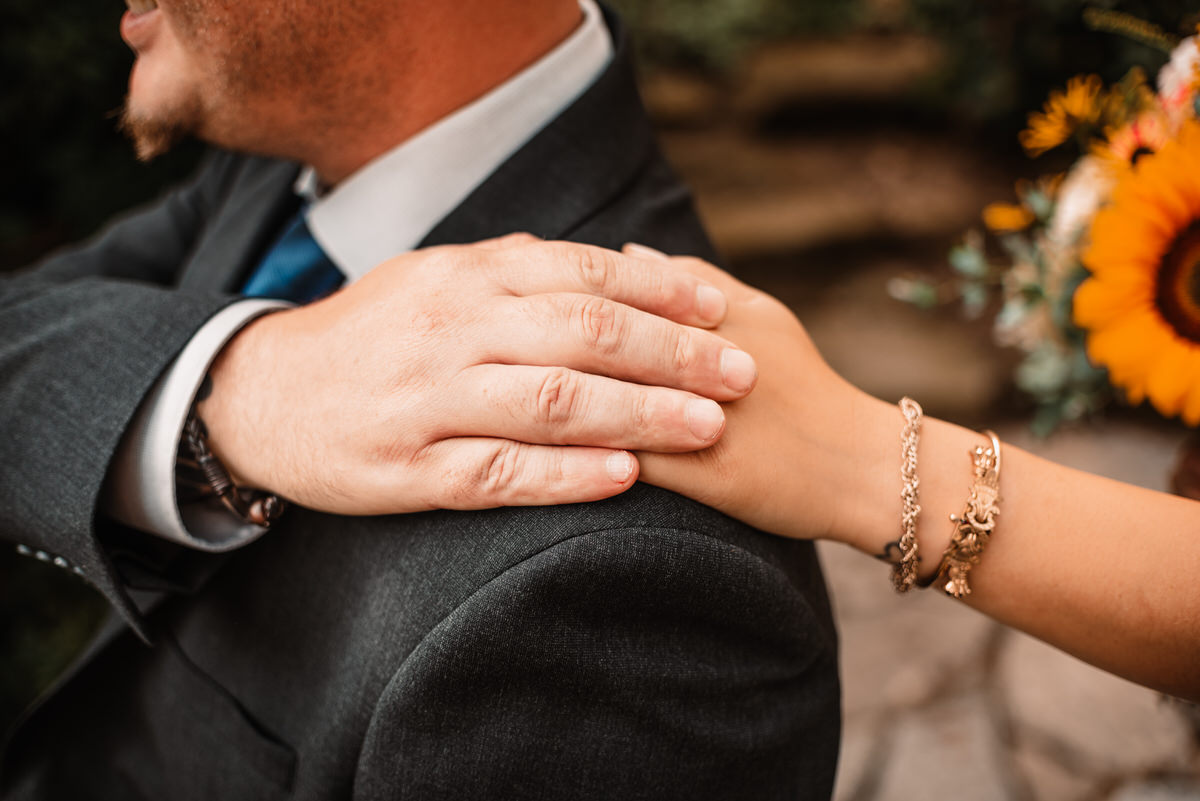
[1002, 55]
[66, 169]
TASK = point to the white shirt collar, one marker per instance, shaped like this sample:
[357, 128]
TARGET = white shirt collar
[392, 203]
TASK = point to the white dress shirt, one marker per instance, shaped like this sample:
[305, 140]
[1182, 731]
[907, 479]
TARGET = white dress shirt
[384, 209]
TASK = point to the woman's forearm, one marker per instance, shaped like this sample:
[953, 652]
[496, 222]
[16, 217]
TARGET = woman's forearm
[1106, 571]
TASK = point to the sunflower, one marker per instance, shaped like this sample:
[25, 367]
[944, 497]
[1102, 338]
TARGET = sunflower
[1141, 305]
[1063, 114]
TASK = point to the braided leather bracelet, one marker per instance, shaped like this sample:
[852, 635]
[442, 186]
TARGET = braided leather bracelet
[248, 505]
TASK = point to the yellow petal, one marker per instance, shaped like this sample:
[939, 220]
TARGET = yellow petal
[1167, 381]
[1007, 217]
[1123, 348]
[1101, 301]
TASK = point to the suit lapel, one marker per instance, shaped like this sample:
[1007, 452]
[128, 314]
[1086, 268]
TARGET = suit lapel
[568, 171]
[260, 201]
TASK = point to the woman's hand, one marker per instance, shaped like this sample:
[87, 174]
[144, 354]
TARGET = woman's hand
[1105, 571]
[806, 454]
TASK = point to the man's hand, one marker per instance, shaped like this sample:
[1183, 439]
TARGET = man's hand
[455, 377]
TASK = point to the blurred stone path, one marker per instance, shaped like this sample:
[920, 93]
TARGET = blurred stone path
[821, 206]
[822, 209]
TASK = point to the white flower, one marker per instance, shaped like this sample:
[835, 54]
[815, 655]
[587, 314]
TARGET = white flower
[1177, 78]
[1083, 191]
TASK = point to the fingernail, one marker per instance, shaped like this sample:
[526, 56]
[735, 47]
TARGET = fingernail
[620, 466]
[643, 252]
[710, 303]
[705, 419]
[738, 370]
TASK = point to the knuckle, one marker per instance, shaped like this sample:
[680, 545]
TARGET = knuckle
[643, 412]
[767, 307]
[596, 270]
[558, 396]
[683, 355]
[500, 474]
[600, 324]
[779, 310]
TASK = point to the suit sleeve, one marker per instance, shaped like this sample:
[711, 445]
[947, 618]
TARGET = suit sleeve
[83, 337]
[635, 664]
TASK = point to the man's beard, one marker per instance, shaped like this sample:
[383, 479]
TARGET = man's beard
[152, 136]
[239, 76]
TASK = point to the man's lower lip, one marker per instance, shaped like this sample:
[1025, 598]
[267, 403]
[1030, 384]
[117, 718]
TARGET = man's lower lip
[138, 29]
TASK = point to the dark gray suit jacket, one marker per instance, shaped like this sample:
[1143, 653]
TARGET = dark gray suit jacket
[643, 647]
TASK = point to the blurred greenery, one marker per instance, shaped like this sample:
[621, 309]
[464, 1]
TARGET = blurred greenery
[713, 34]
[1002, 57]
[67, 169]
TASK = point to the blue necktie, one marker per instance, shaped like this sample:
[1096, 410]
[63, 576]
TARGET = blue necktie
[295, 269]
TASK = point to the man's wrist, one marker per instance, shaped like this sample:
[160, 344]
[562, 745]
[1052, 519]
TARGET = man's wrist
[226, 406]
[142, 490]
[251, 506]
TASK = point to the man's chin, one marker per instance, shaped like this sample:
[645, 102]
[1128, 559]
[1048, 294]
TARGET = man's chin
[153, 136]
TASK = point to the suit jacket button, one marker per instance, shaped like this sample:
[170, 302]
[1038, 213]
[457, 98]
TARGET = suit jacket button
[60, 562]
[24, 550]
[41, 556]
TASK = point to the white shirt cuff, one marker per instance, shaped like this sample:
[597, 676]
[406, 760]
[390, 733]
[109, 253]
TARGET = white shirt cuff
[141, 490]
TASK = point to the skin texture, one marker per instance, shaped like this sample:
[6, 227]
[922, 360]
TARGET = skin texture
[331, 85]
[1103, 570]
[334, 86]
[435, 410]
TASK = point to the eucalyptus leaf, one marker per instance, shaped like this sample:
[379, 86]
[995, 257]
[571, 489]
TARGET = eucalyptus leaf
[969, 261]
[1041, 204]
[974, 299]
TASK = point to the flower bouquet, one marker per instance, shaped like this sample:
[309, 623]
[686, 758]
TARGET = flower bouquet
[1099, 283]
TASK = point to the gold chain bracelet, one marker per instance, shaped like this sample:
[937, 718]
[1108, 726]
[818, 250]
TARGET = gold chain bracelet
[904, 572]
[973, 528]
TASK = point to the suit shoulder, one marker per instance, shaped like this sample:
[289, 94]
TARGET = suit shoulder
[484, 546]
[596, 636]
